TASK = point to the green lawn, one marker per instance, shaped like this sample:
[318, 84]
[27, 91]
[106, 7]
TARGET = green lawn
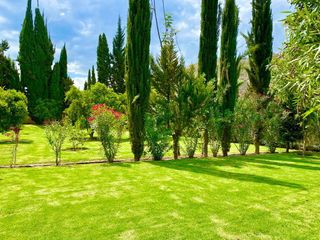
[256, 197]
[34, 148]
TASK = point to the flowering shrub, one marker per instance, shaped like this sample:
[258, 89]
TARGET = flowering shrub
[109, 125]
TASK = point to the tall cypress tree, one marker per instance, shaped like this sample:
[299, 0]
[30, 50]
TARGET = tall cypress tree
[138, 71]
[118, 61]
[63, 62]
[56, 84]
[229, 69]
[209, 37]
[89, 79]
[26, 56]
[44, 56]
[93, 76]
[85, 87]
[259, 42]
[103, 60]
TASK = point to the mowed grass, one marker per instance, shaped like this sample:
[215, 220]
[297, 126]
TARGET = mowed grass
[34, 148]
[236, 198]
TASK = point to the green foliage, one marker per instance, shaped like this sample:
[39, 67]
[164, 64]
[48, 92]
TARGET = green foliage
[66, 82]
[46, 110]
[76, 136]
[245, 117]
[138, 71]
[191, 140]
[56, 88]
[210, 23]
[103, 60]
[89, 81]
[109, 130]
[118, 61]
[93, 77]
[272, 125]
[9, 75]
[56, 134]
[157, 136]
[13, 109]
[229, 69]
[259, 42]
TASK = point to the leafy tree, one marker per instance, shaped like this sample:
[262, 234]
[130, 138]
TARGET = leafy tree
[118, 61]
[229, 69]
[210, 21]
[13, 112]
[259, 42]
[138, 72]
[103, 60]
[9, 76]
[56, 134]
[46, 110]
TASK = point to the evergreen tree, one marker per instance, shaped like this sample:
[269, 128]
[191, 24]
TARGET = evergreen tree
[89, 79]
[259, 42]
[9, 75]
[56, 84]
[229, 69]
[138, 72]
[26, 56]
[85, 86]
[63, 62]
[210, 21]
[93, 76]
[44, 56]
[103, 60]
[118, 61]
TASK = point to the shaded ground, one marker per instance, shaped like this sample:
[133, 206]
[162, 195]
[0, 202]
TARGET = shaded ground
[256, 197]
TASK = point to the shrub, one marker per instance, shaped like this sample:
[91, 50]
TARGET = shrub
[109, 125]
[56, 134]
[272, 125]
[191, 141]
[245, 117]
[157, 138]
[215, 127]
[46, 110]
[77, 136]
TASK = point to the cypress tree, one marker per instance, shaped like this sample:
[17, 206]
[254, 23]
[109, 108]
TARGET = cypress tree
[229, 69]
[44, 56]
[89, 79]
[259, 42]
[138, 71]
[26, 56]
[85, 86]
[93, 76]
[103, 60]
[56, 84]
[63, 62]
[118, 61]
[210, 21]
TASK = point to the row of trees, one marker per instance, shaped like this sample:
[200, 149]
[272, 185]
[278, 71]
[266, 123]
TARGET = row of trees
[110, 64]
[43, 82]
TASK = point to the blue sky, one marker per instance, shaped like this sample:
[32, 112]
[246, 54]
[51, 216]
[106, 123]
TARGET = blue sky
[78, 23]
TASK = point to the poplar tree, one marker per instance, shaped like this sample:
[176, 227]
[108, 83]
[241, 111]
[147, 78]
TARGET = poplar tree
[26, 56]
[259, 42]
[118, 61]
[103, 61]
[93, 76]
[229, 69]
[138, 71]
[209, 37]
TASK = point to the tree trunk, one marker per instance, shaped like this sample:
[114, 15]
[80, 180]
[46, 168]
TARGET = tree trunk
[288, 147]
[176, 138]
[205, 143]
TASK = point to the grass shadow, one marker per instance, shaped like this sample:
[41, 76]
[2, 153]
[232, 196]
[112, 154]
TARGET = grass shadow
[8, 142]
[209, 167]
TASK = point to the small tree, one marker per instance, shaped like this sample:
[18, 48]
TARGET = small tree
[77, 136]
[56, 134]
[244, 121]
[272, 125]
[109, 126]
[13, 112]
